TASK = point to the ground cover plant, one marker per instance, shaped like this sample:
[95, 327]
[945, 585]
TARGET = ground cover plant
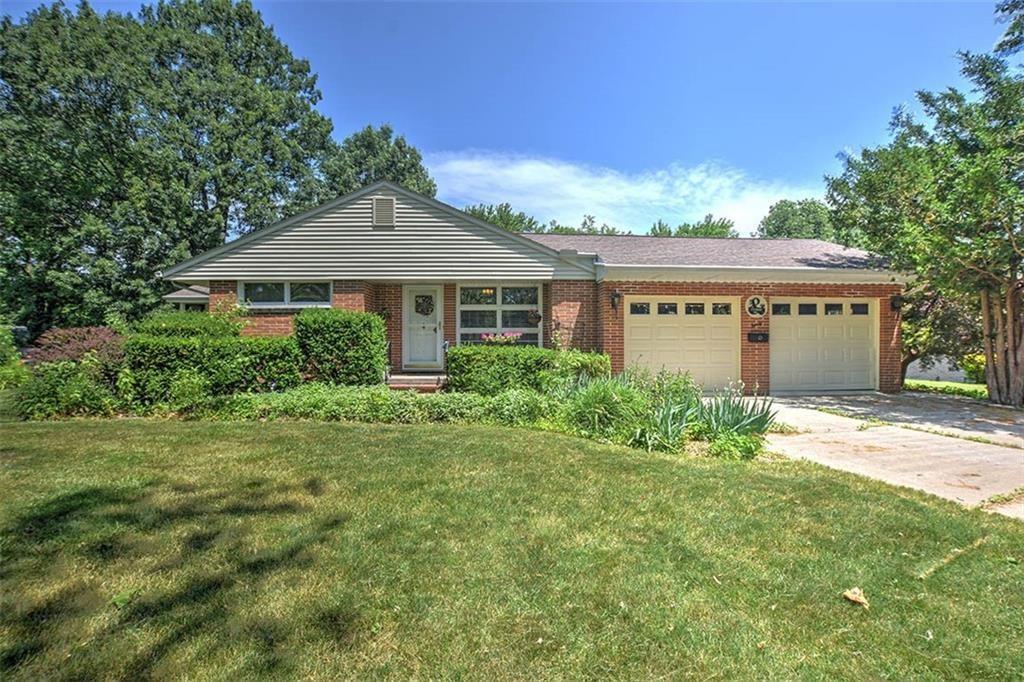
[141, 548]
[979, 391]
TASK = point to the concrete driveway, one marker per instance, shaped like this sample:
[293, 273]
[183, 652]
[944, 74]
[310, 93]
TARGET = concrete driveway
[960, 449]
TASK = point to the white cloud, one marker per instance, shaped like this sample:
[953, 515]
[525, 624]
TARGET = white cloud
[554, 189]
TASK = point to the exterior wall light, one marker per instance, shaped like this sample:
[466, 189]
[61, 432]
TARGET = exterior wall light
[616, 298]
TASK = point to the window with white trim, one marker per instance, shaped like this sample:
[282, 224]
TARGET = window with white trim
[285, 294]
[500, 309]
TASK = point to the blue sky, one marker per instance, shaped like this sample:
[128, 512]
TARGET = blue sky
[630, 112]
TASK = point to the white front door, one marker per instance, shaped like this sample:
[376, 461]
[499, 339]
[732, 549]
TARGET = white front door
[422, 335]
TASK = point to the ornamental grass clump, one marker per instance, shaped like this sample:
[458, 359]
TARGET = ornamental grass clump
[732, 412]
[666, 426]
[605, 408]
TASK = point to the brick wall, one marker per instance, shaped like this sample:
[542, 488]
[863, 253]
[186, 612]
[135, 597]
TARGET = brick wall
[570, 309]
[754, 357]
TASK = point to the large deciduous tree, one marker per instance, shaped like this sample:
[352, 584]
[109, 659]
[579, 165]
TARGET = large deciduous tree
[803, 219]
[374, 154]
[945, 199]
[128, 144]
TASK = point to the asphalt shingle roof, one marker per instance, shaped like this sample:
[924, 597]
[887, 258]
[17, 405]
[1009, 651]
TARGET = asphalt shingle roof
[714, 252]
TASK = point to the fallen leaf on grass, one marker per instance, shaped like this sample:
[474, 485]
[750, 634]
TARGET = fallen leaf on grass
[856, 595]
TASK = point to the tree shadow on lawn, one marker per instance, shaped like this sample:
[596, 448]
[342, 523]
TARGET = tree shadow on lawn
[204, 537]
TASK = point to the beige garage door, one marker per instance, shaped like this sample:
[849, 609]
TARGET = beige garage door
[699, 335]
[820, 344]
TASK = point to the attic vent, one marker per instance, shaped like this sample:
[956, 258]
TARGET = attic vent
[383, 211]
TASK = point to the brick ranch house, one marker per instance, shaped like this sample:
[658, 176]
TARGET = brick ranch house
[788, 315]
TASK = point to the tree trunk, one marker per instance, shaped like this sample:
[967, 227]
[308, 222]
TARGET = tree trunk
[1004, 344]
[904, 364]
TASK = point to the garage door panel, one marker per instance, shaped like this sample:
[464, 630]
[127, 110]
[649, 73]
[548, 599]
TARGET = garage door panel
[722, 333]
[706, 346]
[822, 352]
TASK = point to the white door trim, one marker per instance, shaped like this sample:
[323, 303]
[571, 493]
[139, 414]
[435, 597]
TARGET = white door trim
[408, 291]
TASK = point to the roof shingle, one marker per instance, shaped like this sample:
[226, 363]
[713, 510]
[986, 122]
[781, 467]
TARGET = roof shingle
[714, 252]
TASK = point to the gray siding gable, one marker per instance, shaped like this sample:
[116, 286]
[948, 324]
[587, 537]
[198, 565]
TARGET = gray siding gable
[429, 241]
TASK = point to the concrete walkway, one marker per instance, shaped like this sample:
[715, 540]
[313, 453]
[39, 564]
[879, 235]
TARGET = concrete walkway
[957, 469]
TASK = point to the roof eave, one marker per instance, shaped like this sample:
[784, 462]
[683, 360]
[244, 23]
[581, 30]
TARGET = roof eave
[739, 273]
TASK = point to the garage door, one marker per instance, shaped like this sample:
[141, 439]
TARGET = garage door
[822, 344]
[694, 334]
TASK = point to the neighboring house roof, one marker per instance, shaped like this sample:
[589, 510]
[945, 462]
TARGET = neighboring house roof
[428, 241]
[195, 293]
[714, 251]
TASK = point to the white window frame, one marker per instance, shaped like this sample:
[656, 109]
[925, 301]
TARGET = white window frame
[498, 307]
[287, 294]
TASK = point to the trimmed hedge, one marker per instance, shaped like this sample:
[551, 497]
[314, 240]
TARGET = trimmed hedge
[155, 364]
[489, 370]
[181, 324]
[342, 346]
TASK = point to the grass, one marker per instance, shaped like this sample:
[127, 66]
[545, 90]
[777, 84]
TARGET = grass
[139, 548]
[979, 391]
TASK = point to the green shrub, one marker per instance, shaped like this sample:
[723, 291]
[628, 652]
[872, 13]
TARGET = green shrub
[491, 369]
[12, 371]
[454, 407]
[66, 389]
[973, 366]
[608, 408]
[8, 350]
[664, 386]
[188, 389]
[323, 402]
[731, 445]
[518, 406]
[180, 324]
[343, 347]
[731, 412]
[228, 364]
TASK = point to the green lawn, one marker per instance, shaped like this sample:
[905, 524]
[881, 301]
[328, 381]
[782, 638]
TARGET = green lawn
[142, 548]
[979, 391]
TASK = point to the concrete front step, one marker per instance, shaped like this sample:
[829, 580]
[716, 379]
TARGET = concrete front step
[423, 383]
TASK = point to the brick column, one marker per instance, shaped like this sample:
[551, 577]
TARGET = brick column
[351, 295]
[389, 306]
[223, 295]
[890, 345]
[571, 308]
